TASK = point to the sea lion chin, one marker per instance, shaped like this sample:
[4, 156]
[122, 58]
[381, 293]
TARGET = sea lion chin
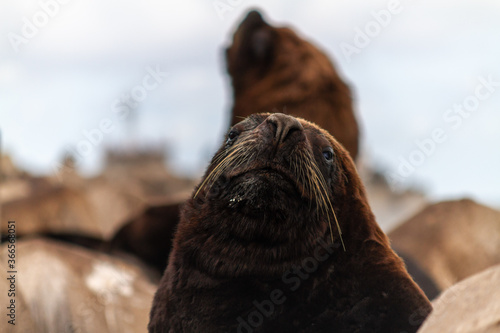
[281, 218]
[252, 193]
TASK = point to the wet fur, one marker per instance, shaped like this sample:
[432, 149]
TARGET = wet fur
[224, 259]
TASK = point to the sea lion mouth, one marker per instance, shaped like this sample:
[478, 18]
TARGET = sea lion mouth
[274, 174]
[254, 192]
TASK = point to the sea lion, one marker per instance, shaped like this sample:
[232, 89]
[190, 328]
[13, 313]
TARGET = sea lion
[274, 70]
[149, 235]
[258, 247]
[451, 240]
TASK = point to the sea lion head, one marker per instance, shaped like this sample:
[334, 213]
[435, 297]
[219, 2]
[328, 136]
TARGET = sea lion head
[270, 193]
[259, 50]
[273, 69]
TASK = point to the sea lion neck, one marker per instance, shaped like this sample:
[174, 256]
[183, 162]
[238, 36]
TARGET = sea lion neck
[225, 245]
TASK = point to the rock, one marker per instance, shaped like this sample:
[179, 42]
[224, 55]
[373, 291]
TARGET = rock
[471, 306]
[272, 69]
[451, 240]
[62, 288]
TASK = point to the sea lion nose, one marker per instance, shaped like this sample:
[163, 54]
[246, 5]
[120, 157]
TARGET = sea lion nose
[283, 126]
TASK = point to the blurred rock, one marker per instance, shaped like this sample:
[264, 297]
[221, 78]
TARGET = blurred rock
[51, 209]
[98, 206]
[24, 325]
[389, 206]
[451, 240]
[8, 170]
[471, 306]
[143, 173]
[62, 288]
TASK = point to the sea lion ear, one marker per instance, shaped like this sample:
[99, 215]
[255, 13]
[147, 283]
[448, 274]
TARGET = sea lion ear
[261, 43]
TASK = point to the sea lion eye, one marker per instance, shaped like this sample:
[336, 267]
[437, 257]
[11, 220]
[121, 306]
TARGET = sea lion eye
[231, 137]
[328, 154]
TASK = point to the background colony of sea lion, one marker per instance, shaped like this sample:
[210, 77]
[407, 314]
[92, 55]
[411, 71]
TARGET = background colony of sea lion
[92, 251]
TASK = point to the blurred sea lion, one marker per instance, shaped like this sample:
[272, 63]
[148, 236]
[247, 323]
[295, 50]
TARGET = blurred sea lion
[272, 69]
[149, 235]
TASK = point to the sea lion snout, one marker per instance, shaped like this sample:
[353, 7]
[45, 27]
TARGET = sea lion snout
[283, 126]
[253, 20]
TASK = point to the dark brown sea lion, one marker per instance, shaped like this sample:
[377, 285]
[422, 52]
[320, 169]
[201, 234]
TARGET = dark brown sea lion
[149, 235]
[274, 70]
[258, 246]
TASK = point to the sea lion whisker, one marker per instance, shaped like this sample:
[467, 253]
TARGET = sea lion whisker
[321, 193]
[234, 158]
[224, 163]
[324, 207]
[323, 185]
[318, 193]
[250, 159]
[214, 171]
[224, 153]
[310, 175]
[298, 172]
[304, 174]
[312, 186]
[222, 166]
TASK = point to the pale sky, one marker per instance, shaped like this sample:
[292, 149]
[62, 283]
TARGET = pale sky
[64, 80]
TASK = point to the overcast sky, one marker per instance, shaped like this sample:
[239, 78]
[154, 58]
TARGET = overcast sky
[62, 79]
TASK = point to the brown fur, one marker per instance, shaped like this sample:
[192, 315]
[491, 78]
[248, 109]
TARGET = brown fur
[149, 235]
[451, 240]
[274, 70]
[243, 236]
